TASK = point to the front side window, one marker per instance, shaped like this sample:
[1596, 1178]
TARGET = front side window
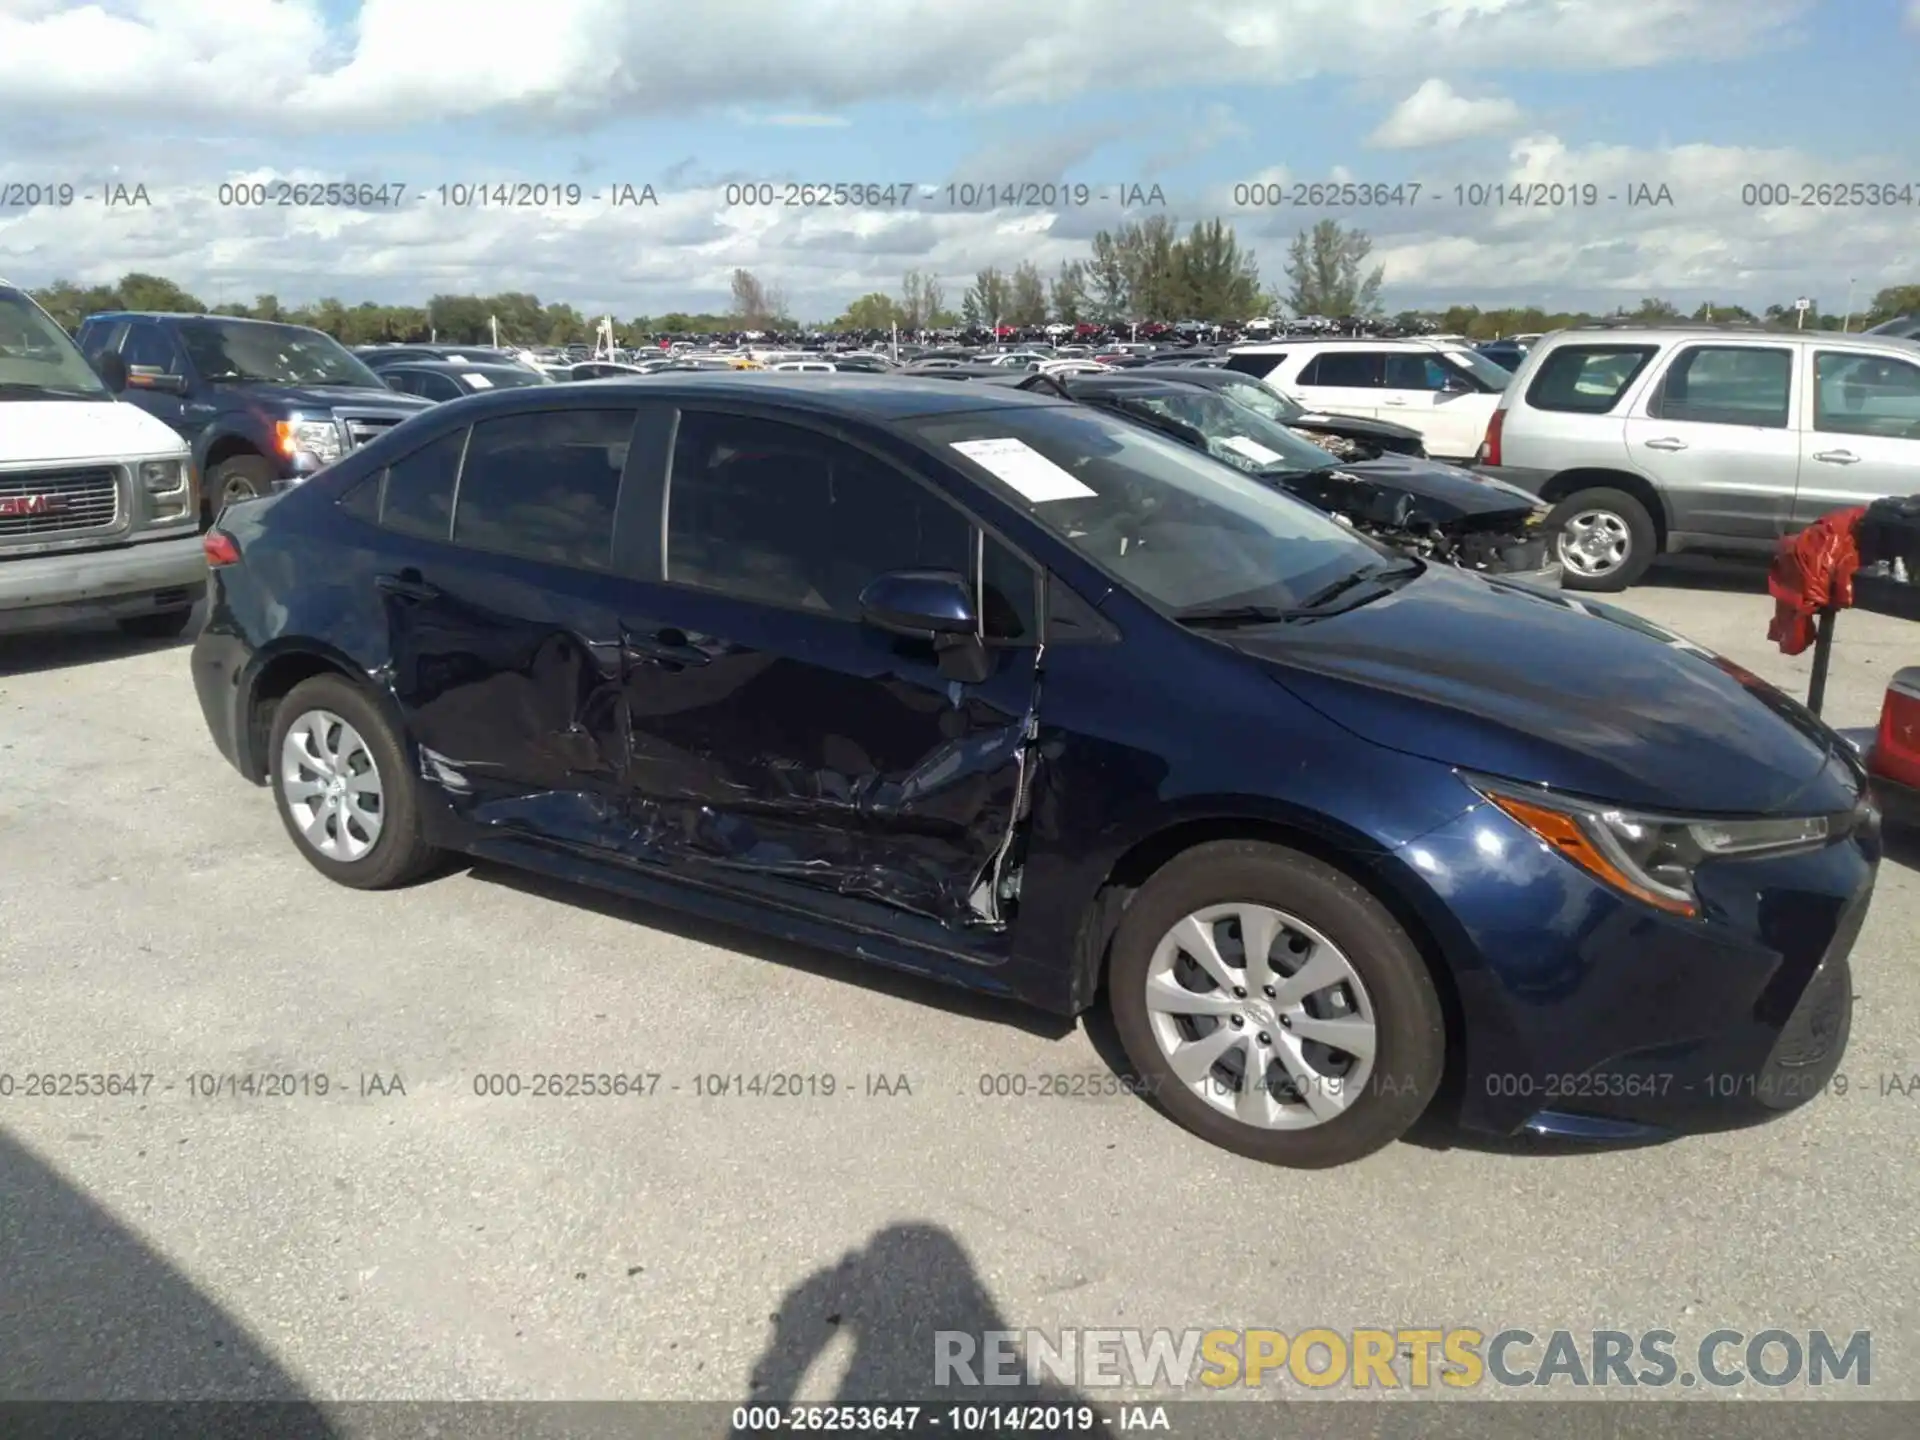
[1415, 372]
[778, 514]
[1491, 375]
[1727, 385]
[1178, 528]
[1347, 369]
[38, 360]
[1856, 394]
[544, 486]
[149, 350]
[417, 495]
[250, 350]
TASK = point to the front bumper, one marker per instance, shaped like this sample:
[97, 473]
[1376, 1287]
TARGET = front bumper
[75, 587]
[1586, 1013]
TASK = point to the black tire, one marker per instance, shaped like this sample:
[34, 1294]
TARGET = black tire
[400, 854]
[1410, 1027]
[1643, 544]
[161, 625]
[239, 477]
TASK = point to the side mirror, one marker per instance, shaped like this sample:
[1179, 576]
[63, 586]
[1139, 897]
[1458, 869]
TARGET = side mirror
[158, 381]
[112, 370]
[1457, 385]
[923, 604]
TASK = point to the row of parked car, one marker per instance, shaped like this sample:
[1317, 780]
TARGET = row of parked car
[1046, 684]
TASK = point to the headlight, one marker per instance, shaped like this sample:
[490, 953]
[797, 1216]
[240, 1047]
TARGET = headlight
[318, 438]
[1650, 857]
[162, 477]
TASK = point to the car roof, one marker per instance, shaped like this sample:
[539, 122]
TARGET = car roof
[192, 315]
[872, 398]
[458, 367]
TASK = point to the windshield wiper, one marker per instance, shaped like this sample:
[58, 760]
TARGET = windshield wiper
[1222, 616]
[1404, 569]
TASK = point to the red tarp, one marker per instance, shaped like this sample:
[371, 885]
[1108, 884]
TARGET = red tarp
[1813, 571]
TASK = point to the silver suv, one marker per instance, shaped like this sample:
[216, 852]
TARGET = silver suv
[1651, 438]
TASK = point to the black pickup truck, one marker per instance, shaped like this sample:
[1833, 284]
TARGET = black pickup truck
[263, 405]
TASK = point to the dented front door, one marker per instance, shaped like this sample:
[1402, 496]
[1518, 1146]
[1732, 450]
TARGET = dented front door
[820, 752]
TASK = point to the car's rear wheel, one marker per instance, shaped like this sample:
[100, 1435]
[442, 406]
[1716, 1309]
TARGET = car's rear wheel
[340, 779]
[1603, 538]
[1274, 1007]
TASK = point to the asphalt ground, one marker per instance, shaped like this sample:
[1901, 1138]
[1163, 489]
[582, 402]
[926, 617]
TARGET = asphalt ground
[404, 1236]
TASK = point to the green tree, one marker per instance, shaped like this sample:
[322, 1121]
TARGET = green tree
[1026, 296]
[1220, 281]
[1067, 296]
[870, 312]
[1327, 268]
[987, 301]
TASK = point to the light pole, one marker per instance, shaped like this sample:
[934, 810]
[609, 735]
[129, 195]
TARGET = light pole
[1846, 324]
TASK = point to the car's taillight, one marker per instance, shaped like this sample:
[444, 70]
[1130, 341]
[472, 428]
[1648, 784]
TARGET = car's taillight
[1490, 447]
[220, 549]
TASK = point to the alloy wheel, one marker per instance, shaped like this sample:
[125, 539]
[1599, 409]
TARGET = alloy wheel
[331, 786]
[1262, 1016]
[1594, 543]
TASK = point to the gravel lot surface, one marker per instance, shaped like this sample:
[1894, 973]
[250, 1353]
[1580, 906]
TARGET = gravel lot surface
[430, 1242]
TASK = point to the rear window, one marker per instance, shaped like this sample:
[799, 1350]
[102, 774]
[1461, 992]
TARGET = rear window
[1586, 379]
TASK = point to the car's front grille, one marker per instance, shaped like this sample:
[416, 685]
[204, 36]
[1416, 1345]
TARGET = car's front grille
[51, 504]
[364, 426]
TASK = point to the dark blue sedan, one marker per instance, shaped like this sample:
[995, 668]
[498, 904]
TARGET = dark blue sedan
[1021, 695]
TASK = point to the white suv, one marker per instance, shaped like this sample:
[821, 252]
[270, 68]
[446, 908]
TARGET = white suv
[1696, 437]
[1445, 389]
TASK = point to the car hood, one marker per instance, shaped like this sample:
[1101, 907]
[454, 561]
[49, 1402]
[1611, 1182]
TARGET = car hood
[1356, 427]
[329, 397]
[1441, 493]
[1558, 691]
[61, 432]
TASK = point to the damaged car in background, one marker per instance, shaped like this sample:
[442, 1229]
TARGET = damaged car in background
[1350, 437]
[1421, 507]
[1024, 695]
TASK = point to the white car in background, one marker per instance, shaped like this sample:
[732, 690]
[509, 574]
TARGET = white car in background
[1444, 389]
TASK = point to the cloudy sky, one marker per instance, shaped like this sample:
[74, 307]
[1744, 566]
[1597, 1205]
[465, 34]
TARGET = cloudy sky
[1223, 105]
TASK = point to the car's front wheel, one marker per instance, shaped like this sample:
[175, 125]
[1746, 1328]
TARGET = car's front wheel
[1603, 538]
[340, 779]
[1273, 1006]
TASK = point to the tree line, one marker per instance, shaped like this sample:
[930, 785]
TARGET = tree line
[1144, 271]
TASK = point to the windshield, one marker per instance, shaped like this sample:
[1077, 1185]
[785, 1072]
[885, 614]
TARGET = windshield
[1235, 433]
[1262, 399]
[276, 354]
[1480, 367]
[1175, 527]
[38, 360]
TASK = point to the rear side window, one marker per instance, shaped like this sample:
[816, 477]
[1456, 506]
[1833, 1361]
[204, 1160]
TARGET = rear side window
[544, 486]
[1726, 385]
[1258, 366]
[1586, 379]
[1351, 369]
[417, 496]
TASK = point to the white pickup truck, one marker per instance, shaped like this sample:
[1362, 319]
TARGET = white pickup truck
[99, 504]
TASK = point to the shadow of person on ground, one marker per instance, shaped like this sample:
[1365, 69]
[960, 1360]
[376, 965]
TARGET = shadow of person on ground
[892, 1297]
[90, 1313]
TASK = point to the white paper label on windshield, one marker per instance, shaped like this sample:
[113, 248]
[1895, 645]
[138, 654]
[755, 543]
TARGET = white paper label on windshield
[1252, 449]
[1024, 468]
[477, 381]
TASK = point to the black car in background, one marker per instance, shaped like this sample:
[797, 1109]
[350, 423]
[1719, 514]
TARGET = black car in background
[378, 357]
[1351, 437]
[264, 405]
[1438, 512]
[440, 380]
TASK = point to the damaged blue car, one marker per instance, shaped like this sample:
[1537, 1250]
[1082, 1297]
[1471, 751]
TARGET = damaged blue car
[1028, 697]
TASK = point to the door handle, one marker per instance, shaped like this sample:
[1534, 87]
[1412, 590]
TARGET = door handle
[406, 587]
[1837, 457]
[1393, 402]
[1668, 443]
[666, 647]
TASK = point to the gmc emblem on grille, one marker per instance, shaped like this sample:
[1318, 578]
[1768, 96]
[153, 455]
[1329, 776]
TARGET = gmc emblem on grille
[32, 504]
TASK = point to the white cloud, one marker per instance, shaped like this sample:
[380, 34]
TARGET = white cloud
[277, 63]
[1437, 114]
